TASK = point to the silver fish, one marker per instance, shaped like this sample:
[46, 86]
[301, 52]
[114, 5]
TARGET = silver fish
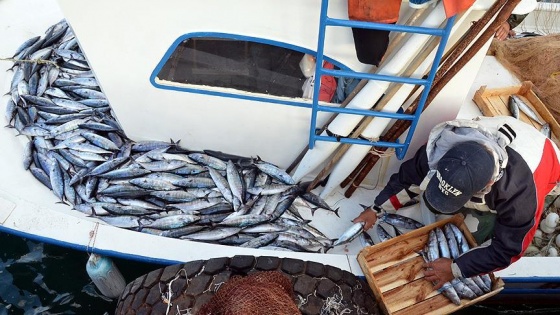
[452, 242]
[152, 183]
[173, 222]
[400, 221]
[516, 102]
[382, 233]
[260, 241]
[174, 195]
[212, 235]
[350, 234]
[235, 181]
[461, 240]
[245, 220]
[222, 184]
[208, 160]
[275, 172]
[121, 221]
[545, 130]
[186, 230]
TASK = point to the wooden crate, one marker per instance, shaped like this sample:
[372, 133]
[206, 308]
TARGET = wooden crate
[393, 270]
[494, 102]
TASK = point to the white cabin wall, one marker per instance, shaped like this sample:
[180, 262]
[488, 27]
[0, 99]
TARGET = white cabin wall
[125, 40]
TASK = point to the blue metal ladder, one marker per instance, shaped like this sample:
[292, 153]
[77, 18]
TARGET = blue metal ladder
[400, 148]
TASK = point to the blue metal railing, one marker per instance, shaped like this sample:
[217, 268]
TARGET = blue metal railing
[400, 148]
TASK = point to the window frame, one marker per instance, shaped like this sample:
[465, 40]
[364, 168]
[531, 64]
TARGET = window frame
[225, 92]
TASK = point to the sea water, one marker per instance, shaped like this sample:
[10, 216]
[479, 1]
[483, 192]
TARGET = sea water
[38, 278]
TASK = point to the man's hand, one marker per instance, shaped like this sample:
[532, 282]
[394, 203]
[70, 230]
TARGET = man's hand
[503, 31]
[368, 216]
[438, 272]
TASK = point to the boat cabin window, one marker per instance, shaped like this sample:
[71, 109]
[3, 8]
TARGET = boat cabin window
[234, 63]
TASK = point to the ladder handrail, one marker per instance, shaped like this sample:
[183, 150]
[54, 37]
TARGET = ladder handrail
[401, 148]
[385, 27]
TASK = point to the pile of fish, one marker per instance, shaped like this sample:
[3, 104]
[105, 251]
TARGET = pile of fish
[451, 243]
[78, 150]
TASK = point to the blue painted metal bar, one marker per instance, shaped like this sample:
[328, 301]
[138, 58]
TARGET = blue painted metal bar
[318, 71]
[530, 291]
[431, 76]
[532, 280]
[365, 112]
[362, 141]
[325, 21]
[386, 27]
[375, 76]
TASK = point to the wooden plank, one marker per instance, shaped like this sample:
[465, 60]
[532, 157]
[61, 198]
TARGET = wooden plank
[409, 294]
[437, 304]
[399, 274]
[373, 285]
[397, 248]
[376, 265]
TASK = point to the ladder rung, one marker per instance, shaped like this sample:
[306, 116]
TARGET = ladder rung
[374, 76]
[362, 142]
[385, 27]
[365, 112]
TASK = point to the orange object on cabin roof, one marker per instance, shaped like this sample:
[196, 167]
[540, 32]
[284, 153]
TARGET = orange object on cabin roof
[453, 7]
[381, 11]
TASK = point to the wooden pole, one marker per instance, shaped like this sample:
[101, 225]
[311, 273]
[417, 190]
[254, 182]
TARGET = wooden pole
[401, 126]
[462, 44]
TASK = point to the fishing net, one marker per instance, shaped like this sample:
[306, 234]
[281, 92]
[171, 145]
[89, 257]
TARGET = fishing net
[267, 292]
[535, 59]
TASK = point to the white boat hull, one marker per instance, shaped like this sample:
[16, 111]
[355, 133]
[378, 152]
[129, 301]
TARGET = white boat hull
[29, 209]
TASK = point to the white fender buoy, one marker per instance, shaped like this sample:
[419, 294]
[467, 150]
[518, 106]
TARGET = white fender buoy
[105, 275]
[552, 252]
[537, 239]
[545, 228]
[552, 220]
[557, 240]
[531, 250]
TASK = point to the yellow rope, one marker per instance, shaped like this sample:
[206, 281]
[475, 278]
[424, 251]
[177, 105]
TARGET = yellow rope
[388, 152]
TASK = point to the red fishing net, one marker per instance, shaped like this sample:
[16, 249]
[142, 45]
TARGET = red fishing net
[260, 293]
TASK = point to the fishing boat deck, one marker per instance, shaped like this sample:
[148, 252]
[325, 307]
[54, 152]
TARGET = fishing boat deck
[29, 209]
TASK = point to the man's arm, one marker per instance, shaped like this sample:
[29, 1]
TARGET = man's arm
[506, 29]
[399, 190]
[403, 185]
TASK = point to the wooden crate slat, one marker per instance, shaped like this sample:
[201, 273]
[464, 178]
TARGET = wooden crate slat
[409, 294]
[399, 274]
[435, 305]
